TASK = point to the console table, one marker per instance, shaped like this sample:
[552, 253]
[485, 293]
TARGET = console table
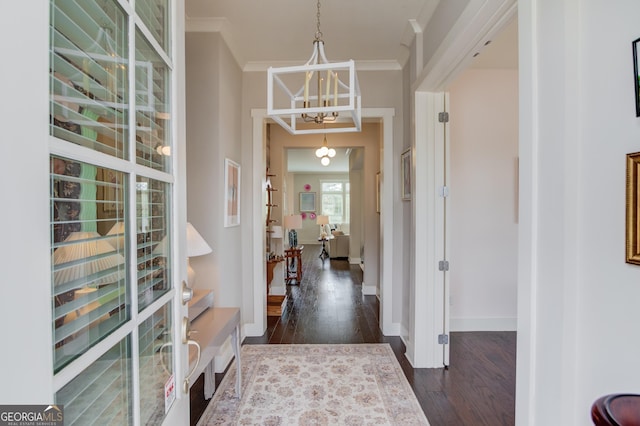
[211, 329]
[294, 255]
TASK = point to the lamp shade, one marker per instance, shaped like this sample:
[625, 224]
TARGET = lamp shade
[87, 256]
[162, 248]
[322, 219]
[117, 235]
[196, 245]
[276, 231]
[293, 221]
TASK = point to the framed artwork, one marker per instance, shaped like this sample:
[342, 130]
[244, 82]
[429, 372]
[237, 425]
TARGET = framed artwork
[405, 170]
[231, 193]
[307, 201]
[633, 207]
[636, 75]
[110, 192]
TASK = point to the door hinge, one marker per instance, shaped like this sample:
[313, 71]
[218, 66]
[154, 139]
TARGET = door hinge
[443, 339]
[443, 117]
[444, 191]
[443, 265]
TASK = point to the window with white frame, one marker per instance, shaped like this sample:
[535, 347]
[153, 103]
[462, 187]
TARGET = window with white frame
[335, 200]
[111, 198]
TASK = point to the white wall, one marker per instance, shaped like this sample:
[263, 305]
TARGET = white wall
[214, 84]
[578, 302]
[482, 202]
[25, 305]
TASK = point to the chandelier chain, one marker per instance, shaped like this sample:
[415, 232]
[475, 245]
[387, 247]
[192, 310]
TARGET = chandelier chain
[318, 32]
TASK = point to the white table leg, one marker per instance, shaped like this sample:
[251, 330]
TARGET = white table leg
[209, 381]
[235, 342]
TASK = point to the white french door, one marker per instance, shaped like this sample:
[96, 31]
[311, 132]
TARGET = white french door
[115, 119]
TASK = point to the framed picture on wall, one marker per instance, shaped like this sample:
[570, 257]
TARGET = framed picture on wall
[231, 193]
[307, 201]
[636, 75]
[633, 209]
[405, 170]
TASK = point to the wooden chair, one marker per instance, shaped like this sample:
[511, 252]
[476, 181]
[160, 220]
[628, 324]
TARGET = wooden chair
[616, 410]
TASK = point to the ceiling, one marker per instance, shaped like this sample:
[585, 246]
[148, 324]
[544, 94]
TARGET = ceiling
[282, 31]
[304, 160]
[262, 33]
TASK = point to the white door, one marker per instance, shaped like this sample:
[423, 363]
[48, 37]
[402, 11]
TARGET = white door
[442, 221]
[428, 340]
[117, 219]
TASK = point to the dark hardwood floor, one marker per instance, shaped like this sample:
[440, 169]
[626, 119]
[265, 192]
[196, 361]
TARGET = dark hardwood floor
[478, 388]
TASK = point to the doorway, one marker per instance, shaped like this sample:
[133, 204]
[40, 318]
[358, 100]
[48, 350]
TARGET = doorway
[380, 120]
[484, 189]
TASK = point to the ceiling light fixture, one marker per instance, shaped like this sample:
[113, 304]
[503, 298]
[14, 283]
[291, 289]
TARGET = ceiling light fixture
[326, 93]
[324, 153]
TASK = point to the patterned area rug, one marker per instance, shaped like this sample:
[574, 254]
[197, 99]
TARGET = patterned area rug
[359, 384]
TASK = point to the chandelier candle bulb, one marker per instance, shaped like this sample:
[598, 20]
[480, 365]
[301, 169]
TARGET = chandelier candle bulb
[326, 96]
[306, 87]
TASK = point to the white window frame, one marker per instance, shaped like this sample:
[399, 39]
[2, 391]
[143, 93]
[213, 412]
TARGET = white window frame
[346, 195]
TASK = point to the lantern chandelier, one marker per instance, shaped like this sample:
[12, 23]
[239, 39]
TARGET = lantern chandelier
[323, 93]
[324, 153]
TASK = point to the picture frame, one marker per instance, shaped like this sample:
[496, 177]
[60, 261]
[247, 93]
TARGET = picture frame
[405, 174]
[110, 192]
[633, 209]
[636, 75]
[231, 193]
[307, 202]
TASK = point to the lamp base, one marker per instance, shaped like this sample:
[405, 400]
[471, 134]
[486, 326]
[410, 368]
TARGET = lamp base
[293, 238]
[191, 275]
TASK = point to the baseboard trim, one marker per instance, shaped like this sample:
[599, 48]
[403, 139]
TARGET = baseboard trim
[408, 351]
[483, 324]
[394, 329]
[252, 330]
[355, 261]
[278, 290]
[369, 290]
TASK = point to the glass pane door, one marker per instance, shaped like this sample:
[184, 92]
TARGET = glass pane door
[112, 291]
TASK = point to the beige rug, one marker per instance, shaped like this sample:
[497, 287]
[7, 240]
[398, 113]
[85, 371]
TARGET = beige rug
[359, 384]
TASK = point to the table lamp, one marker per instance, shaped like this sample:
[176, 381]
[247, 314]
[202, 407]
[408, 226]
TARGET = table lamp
[82, 263]
[87, 258]
[116, 234]
[322, 220]
[293, 222]
[196, 246]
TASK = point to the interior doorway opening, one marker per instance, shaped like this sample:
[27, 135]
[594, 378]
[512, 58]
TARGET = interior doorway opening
[379, 128]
